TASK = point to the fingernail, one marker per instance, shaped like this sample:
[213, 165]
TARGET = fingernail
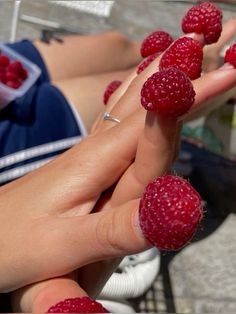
[169, 212]
[77, 305]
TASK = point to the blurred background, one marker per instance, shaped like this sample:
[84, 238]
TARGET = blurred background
[134, 18]
[202, 277]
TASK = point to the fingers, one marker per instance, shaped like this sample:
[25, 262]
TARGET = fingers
[159, 142]
[74, 181]
[217, 83]
[106, 234]
[129, 100]
[154, 156]
[39, 297]
[74, 242]
[228, 33]
[58, 295]
[114, 99]
[90, 238]
[212, 52]
[81, 241]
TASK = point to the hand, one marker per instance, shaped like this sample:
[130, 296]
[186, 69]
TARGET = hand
[212, 52]
[155, 145]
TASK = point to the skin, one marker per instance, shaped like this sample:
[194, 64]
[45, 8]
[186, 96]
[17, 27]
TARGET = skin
[79, 55]
[64, 199]
[61, 212]
[212, 52]
[82, 71]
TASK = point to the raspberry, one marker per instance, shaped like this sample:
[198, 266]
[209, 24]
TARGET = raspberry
[204, 18]
[4, 61]
[111, 88]
[155, 42]
[143, 65]
[17, 68]
[3, 79]
[169, 212]
[230, 55]
[2, 72]
[11, 76]
[78, 305]
[23, 74]
[169, 92]
[13, 84]
[186, 55]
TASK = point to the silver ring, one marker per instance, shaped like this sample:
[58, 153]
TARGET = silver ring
[107, 116]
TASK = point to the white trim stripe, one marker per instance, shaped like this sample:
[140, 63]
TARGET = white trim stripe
[38, 151]
[22, 170]
[77, 117]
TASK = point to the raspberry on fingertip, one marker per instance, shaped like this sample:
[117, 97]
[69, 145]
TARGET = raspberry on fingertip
[230, 55]
[169, 92]
[170, 212]
[77, 305]
[186, 55]
[155, 42]
[111, 88]
[204, 18]
[145, 63]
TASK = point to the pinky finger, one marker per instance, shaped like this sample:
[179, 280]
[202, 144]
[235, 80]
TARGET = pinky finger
[213, 89]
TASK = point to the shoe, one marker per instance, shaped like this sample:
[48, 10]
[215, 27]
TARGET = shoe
[120, 306]
[135, 275]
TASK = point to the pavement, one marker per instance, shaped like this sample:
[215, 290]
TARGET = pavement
[202, 277]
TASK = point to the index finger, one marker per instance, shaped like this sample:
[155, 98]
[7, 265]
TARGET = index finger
[157, 142]
[127, 98]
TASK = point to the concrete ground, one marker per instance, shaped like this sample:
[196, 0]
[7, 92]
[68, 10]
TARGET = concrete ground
[202, 277]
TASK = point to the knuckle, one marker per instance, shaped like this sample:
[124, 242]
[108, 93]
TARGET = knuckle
[108, 236]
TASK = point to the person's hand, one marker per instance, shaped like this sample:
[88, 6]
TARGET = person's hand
[51, 230]
[125, 156]
[212, 52]
[211, 61]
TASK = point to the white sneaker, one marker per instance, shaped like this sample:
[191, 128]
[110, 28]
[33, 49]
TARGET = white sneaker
[120, 306]
[135, 276]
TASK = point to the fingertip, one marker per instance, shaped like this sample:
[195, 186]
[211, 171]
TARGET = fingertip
[198, 37]
[226, 66]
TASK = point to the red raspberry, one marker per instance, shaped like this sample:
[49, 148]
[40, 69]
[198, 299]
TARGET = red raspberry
[17, 68]
[23, 74]
[155, 42]
[13, 84]
[186, 55]
[2, 71]
[78, 305]
[111, 88]
[4, 61]
[170, 211]
[143, 65]
[204, 18]
[230, 55]
[3, 79]
[169, 92]
[11, 76]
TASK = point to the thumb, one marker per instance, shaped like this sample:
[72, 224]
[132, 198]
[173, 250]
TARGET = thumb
[168, 214]
[106, 234]
[57, 295]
